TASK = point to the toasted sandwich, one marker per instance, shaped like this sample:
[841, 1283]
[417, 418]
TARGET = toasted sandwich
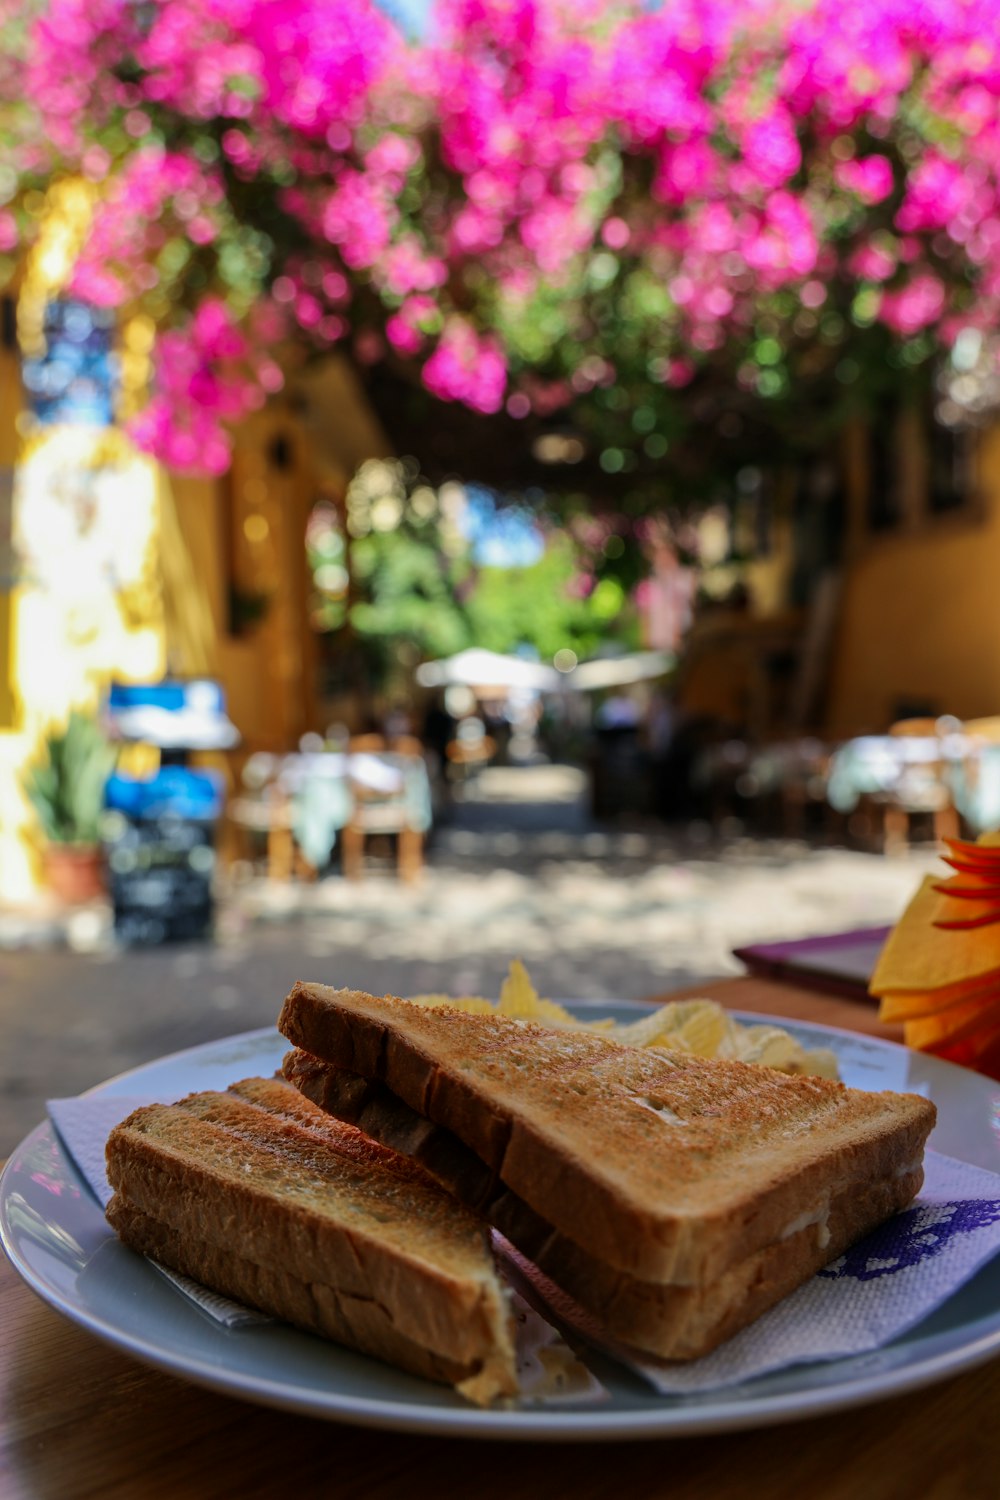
[675, 1198]
[263, 1196]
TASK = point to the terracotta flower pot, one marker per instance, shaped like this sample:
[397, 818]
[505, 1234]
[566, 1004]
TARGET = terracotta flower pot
[75, 872]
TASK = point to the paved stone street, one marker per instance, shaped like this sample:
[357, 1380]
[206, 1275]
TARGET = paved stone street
[518, 870]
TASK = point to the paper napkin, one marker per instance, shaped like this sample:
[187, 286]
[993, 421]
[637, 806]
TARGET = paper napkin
[84, 1125]
[883, 1286]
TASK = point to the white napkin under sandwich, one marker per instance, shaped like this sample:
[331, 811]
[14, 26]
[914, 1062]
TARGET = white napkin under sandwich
[882, 1287]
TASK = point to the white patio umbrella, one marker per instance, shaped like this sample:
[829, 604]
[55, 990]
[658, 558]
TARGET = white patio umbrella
[477, 668]
[618, 671]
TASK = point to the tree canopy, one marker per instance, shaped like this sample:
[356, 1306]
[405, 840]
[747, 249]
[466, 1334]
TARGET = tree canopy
[407, 581]
[624, 227]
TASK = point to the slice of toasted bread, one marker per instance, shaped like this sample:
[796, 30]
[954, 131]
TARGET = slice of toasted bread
[263, 1196]
[672, 1168]
[669, 1321]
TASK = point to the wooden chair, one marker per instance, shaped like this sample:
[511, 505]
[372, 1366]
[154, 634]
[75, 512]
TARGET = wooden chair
[405, 744]
[366, 744]
[389, 813]
[263, 809]
[922, 788]
[924, 728]
[377, 744]
[466, 757]
[986, 731]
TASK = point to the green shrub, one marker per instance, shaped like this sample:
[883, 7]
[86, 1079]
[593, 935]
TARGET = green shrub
[66, 788]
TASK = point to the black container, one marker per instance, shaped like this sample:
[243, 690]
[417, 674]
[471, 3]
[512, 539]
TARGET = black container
[160, 874]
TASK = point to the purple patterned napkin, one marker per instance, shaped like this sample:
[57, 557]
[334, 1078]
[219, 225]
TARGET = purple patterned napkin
[882, 1286]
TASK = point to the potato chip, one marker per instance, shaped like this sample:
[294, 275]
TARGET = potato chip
[654, 1030]
[518, 996]
[476, 1005]
[768, 1045]
[703, 1028]
[520, 999]
[697, 1026]
[818, 1062]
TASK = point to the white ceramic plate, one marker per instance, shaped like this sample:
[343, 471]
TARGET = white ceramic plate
[55, 1233]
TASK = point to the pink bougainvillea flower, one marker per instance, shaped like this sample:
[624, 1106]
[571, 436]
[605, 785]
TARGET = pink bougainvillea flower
[205, 381]
[465, 367]
[873, 262]
[533, 185]
[914, 306]
[870, 177]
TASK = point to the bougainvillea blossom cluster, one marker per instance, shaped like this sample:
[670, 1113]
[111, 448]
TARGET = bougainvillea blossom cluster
[515, 208]
[206, 380]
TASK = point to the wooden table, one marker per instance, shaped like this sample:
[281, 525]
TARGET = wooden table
[79, 1419]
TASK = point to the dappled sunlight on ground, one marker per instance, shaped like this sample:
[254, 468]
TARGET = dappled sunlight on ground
[519, 870]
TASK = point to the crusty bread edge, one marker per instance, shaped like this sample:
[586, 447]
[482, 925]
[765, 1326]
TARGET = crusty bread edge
[460, 1320]
[669, 1321]
[339, 1026]
[355, 1322]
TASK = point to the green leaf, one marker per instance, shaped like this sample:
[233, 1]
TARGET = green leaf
[66, 787]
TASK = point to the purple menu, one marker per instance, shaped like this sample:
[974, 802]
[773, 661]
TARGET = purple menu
[840, 962]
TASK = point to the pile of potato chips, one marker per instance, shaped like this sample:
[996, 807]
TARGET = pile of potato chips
[701, 1027]
[939, 972]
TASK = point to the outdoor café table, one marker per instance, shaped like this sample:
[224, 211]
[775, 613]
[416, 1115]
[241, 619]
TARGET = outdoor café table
[79, 1419]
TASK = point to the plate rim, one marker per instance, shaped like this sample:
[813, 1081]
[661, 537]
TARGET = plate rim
[678, 1416]
[642, 1007]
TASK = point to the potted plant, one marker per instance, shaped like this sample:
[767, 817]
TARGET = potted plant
[66, 789]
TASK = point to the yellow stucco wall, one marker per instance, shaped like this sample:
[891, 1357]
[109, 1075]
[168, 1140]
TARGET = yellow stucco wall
[264, 669]
[10, 404]
[920, 617]
[269, 670]
[57, 653]
[87, 607]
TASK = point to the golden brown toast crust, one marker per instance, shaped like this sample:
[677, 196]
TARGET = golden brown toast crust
[383, 1117]
[671, 1168]
[262, 1191]
[356, 1321]
[669, 1321]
